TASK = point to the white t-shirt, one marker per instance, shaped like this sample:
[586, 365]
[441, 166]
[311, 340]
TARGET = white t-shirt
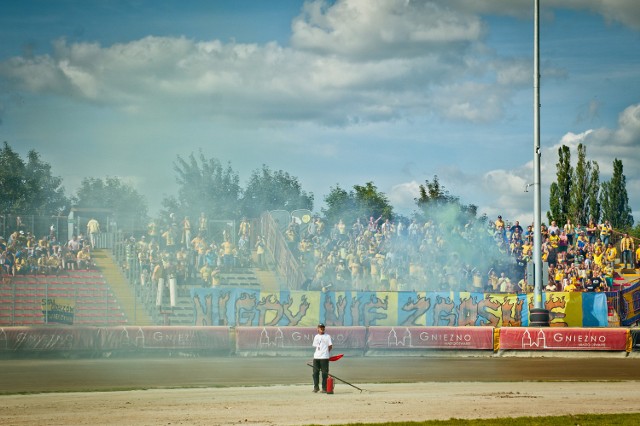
[322, 342]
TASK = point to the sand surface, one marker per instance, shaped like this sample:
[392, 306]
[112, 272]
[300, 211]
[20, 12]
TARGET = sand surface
[237, 391]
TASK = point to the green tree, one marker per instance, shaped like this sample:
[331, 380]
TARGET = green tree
[273, 190]
[435, 201]
[614, 199]
[433, 193]
[110, 193]
[46, 195]
[29, 188]
[579, 209]
[362, 202]
[205, 186]
[560, 191]
[12, 181]
[594, 193]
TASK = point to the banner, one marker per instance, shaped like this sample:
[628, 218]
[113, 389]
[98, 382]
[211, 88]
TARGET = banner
[400, 338]
[58, 310]
[268, 339]
[186, 338]
[630, 305]
[244, 307]
[567, 339]
[23, 339]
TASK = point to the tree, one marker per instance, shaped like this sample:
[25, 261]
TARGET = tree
[110, 193]
[205, 186]
[594, 194]
[434, 200]
[45, 192]
[579, 209]
[560, 191]
[273, 190]
[12, 185]
[432, 193]
[362, 202]
[29, 188]
[614, 199]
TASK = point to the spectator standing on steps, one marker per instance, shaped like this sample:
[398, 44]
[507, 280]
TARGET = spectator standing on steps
[323, 345]
[626, 249]
[93, 228]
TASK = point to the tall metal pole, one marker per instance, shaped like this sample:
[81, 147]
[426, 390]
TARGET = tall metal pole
[537, 218]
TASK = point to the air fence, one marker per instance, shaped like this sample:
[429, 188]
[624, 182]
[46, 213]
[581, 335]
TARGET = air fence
[296, 341]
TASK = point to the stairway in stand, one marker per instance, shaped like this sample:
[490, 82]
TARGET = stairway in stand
[135, 312]
[268, 280]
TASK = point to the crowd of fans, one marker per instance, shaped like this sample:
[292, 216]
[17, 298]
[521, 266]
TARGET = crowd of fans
[188, 253]
[441, 255]
[438, 254]
[23, 253]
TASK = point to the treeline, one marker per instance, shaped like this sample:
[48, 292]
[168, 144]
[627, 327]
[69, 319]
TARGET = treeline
[578, 195]
[28, 186]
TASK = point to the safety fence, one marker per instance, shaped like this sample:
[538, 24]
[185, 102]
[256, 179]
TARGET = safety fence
[296, 341]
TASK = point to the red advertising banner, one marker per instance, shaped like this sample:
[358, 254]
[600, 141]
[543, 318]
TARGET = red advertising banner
[209, 338]
[399, 338]
[295, 338]
[47, 339]
[563, 339]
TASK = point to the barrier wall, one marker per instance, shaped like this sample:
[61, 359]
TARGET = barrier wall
[420, 338]
[570, 339]
[105, 341]
[109, 339]
[243, 307]
[270, 340]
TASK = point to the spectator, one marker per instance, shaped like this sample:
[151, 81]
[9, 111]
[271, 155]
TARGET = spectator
[569, 230]
[626, 249]
[605, 232]
[73, 245]
[260, 250]
[84, 258]
[611, 254]
[591, 232]
[185, 239]
[93, 228]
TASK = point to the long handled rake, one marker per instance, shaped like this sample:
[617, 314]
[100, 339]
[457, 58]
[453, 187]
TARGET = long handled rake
[335, 358]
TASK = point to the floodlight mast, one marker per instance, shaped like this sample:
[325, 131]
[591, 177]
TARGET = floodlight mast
[537, 217]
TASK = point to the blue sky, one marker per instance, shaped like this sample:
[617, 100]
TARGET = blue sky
[335, 93]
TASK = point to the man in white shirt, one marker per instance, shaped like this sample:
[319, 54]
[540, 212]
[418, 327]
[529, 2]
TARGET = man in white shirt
[323, 344]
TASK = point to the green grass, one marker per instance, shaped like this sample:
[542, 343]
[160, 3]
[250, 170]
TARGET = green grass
[578, 420]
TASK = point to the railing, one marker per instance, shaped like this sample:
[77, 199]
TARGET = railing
[286, 264]
[129, 265]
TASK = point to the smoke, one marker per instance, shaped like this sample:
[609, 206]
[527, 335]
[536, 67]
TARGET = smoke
[441, 251]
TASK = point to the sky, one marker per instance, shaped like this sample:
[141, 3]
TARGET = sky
[336, 93]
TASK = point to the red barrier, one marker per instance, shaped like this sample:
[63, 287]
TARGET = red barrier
[295, 338]
[17, 339]
[563, 339]
[399, 338]
[187, 338]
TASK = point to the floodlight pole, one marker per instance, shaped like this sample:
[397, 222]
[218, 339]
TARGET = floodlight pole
[537, 219]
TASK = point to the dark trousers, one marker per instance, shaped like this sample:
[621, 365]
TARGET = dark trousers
[318, 366]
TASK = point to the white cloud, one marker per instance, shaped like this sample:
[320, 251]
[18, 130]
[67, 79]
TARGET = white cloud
[383, 28]
[351, 62]
[505, 187]
[626, 12]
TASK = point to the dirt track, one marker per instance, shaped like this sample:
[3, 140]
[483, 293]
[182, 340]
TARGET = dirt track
[395, 389]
